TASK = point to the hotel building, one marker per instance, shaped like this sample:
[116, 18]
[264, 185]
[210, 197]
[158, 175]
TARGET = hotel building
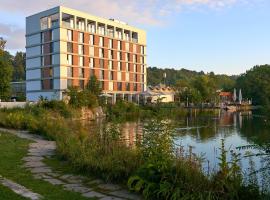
[65, 47]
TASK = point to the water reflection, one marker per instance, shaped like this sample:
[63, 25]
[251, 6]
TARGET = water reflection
[204, 132]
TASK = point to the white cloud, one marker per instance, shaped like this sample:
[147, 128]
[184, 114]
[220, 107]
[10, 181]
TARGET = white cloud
[14, 36]
[147, 12]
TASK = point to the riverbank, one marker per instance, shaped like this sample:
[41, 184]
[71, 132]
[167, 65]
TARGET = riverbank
[105, 155]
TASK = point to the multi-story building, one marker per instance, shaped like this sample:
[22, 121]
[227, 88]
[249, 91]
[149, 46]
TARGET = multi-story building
[65, 47]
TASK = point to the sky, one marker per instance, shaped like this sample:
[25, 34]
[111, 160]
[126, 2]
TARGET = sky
[223, 36]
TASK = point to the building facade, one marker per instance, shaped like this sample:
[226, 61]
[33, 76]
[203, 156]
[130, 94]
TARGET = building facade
[65, 47]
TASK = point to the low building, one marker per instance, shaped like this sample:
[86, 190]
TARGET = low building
[226, 97]
[18, 89]
[159, 93]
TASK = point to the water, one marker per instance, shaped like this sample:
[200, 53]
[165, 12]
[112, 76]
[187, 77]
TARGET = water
[204, 131]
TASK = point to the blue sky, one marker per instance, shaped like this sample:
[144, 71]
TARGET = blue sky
[224, 36]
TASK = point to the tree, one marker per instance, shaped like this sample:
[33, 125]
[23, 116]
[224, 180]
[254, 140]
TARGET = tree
[255, 85]
[93, 86]
[2, 45]
[5, 77]
[19, 67]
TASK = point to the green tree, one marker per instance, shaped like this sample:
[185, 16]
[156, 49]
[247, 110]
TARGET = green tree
[93, 86]
[5, 78]
[19, 67]
[255, 84]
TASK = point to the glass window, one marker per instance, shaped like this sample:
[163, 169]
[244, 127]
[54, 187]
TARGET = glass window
[110, 43]
[119, 45]
[69, 72]
[81, 72]
[81, 61]
[91, 62]
[101, 41]
[81, 37]
[69, 35]
[69, 83]
[110, 64]
[91, 40]
[44, 23]
[69, 59]
[118, 66]
[69, 47]
[81, 52]
[91, 51]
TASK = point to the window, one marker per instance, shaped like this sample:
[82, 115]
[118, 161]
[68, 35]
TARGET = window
[81, 37]
[134, 48]
[135, 86]
[69, 47]
[119, 86]
[127, 67]
[101, 63]
[128, 57]
[42, 60]
[101, 74]
[110, 64]
[134, 59]
[51, 47]
[44, 23]
[118, 55]
[81, 52]
[41, 49]
[42, 39]
[69, 83]
[126, 36]
[110, 75]
[110, 43]
[81, 72]
[69, 59]
[142, 49]
[91, 62]
[81, 61]
[101, 53]
[101, 30]
[47, 84]
[69, 72]
[110, 31]
[119, 45]
[91, 40]
[80, 23]
[69, 35]
[91, 27]
[54, 34]
[127, 76]
[127, 86]
[127, 46]
[118, 66]
[54, 19]
[101, 41]
[91, 51]
[81, 83]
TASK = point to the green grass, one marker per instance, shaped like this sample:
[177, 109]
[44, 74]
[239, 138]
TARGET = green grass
[13, 149]
[6, 194]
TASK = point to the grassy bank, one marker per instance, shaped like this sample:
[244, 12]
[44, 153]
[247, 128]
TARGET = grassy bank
[154, 168]
[13, 149]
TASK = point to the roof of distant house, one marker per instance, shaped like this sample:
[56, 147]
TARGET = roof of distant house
[225, 94]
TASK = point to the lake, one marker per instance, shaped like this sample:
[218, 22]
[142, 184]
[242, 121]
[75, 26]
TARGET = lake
[204, 131]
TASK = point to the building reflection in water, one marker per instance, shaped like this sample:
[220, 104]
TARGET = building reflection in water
[131, 133]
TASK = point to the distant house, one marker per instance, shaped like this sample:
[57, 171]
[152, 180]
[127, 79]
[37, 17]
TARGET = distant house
[226, 97]
[159, 93]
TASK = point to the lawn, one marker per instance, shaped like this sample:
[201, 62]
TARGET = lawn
[13, 149]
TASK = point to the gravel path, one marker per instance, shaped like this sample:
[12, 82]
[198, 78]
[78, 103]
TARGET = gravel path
[41, 148]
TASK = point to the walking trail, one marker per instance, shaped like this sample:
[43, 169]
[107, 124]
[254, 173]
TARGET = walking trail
[41, 149]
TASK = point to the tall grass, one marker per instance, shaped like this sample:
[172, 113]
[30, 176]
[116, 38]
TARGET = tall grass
[155, 168]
